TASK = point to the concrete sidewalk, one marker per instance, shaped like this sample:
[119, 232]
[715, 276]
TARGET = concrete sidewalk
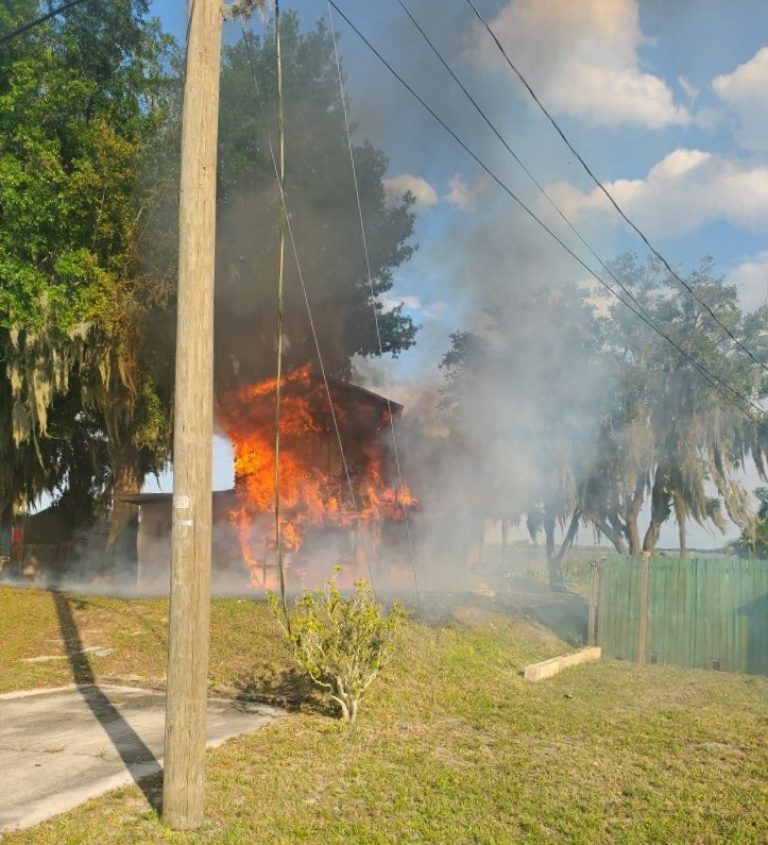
[59, 747]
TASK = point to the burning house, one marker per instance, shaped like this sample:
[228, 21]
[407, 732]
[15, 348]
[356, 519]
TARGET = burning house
[333, 509]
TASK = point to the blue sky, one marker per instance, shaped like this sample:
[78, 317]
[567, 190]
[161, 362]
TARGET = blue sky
[656, 96]
[667, 101]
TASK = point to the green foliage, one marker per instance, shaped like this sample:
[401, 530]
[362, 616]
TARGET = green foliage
[753, 541]
[82, 102]
[341, 643]
[89, 142]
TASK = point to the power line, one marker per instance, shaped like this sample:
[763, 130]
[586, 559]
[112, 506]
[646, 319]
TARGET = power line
[313, 329]
[279, 302]
[364, 240]
[712, 378]
[515, 156]
[610, 196]
[59, 10]
[628, 293]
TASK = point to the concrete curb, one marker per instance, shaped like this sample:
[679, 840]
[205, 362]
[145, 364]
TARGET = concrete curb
[26, 693]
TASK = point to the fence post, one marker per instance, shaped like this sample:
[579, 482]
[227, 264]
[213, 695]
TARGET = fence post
[593, 598]
[642, 628]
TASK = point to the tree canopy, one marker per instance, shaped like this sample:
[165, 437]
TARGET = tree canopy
[82, 101]
[89, 130]
[600, 422]
[675, 438]
[753, 541]
[320, 195]
[565, 414]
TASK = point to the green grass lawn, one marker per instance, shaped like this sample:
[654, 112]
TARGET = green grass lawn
[451, 745]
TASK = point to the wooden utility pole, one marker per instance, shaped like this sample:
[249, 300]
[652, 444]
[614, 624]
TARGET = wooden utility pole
[185, 726]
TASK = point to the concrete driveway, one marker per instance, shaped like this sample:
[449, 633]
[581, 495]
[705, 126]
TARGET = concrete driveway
[60, 747]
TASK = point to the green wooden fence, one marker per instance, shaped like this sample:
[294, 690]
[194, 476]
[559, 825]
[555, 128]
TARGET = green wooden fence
[695, 612]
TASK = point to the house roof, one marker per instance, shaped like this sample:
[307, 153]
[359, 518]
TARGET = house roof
[333, 382]
[364, 392]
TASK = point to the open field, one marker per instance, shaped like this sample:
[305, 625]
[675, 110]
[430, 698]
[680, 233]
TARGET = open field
[452, 746]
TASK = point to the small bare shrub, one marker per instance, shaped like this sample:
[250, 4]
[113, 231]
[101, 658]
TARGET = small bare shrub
[341, 643]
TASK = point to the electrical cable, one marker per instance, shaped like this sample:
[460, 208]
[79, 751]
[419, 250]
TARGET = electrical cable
[522, 164]
[279, 300]
[611, 198]
[711, 377]
[366, 254]
[313, 328]
[511, 151]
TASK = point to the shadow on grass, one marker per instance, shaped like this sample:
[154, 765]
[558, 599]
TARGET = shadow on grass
[128, 744]
[288, 688]
[563, 613]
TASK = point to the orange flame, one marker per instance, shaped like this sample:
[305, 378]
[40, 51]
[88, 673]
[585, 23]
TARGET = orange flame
[314, 490]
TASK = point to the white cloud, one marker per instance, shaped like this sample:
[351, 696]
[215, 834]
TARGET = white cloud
[396, 186]
[459, 194]
[708, 118]
[601, 300]
[581, 57]
[745, 91]
[691, 91]
[393, 300]
[463, 195]
[428, 310]
[683, 191]
[412, 303]
[751, 280]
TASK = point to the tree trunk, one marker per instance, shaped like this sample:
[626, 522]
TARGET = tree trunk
[554, 568]
[633, 531]
[660, 510]
[555, 558]
[633, 515]
[504, 542]
[125, 481]
[619, 543]
[681, 534]
[565, 546]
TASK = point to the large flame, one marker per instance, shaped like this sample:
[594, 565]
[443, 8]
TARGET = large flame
[314, 483]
